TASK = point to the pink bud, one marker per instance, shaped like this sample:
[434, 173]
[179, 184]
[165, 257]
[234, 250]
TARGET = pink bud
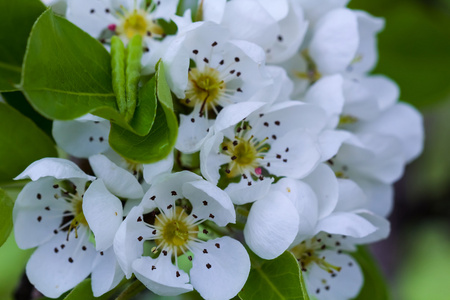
[112, 27]
[258, 171]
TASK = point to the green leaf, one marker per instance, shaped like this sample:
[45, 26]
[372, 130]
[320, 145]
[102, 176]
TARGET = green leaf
[84, 291]
[184, 5]
[67, 74]
[274, 279]
[18, 101]
[150, 148]
[375, 287]
[162, 87]
[22, 142]
[159, 142]
[6, 224]
[16, 19]
[303, 285]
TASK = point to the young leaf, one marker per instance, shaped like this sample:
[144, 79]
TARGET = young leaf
[6, 224]
[158, 143]
[274, 279]
[16, 19]
[150, 148]
[118, 72]
[22, 143]
[375, 287]
[133, 74]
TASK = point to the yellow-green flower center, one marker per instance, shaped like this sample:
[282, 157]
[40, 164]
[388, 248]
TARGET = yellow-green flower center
[204, 87]
[176, 231]
[77, 209]
[307, 253]
[136, 22]
[245, 155]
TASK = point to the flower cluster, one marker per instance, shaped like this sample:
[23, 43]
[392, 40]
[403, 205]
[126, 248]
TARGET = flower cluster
[285, 142]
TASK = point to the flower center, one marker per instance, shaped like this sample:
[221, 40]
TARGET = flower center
[308, 253]
[136, 22]
[205, 88]
[176, 230]
[78, 216]
[136, 168]
[310, 73]
[245, 155]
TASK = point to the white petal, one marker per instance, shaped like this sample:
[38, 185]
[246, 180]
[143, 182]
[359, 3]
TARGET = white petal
[297, 69]
[351, 196]
[258, 27]
[343, 223]
[315, 9]
[209, 202]
[335, 41]
[286, 116]
[36, 211]
[383, 228]
[330, 141]
[60, 265]
[328, 93]
[213, 10]
[221, 272]
[161, 276]
[255, 53]
[278, 10]
[296, 155]
[129, 239]
[157, 50]
[81, 139]
[176, 62]
[165, 191]
[405, 123]
[380, 195]
[280, 89]
[345, 284]
[242, 193]
[119, 181]
[129, 204]
[56, 167]
[367, 96]
[192, 132]
[272, 225]
[165, 9]
[211, 159]
[163, 166]
[388, 162]
[90, 15]
[324, 184]
[367, 53]
[106, 273]
[235, 113]
[292, 30]
[305, 202]
[103, 212]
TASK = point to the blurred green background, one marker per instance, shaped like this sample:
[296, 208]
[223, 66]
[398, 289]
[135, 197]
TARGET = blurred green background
[414, 50]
